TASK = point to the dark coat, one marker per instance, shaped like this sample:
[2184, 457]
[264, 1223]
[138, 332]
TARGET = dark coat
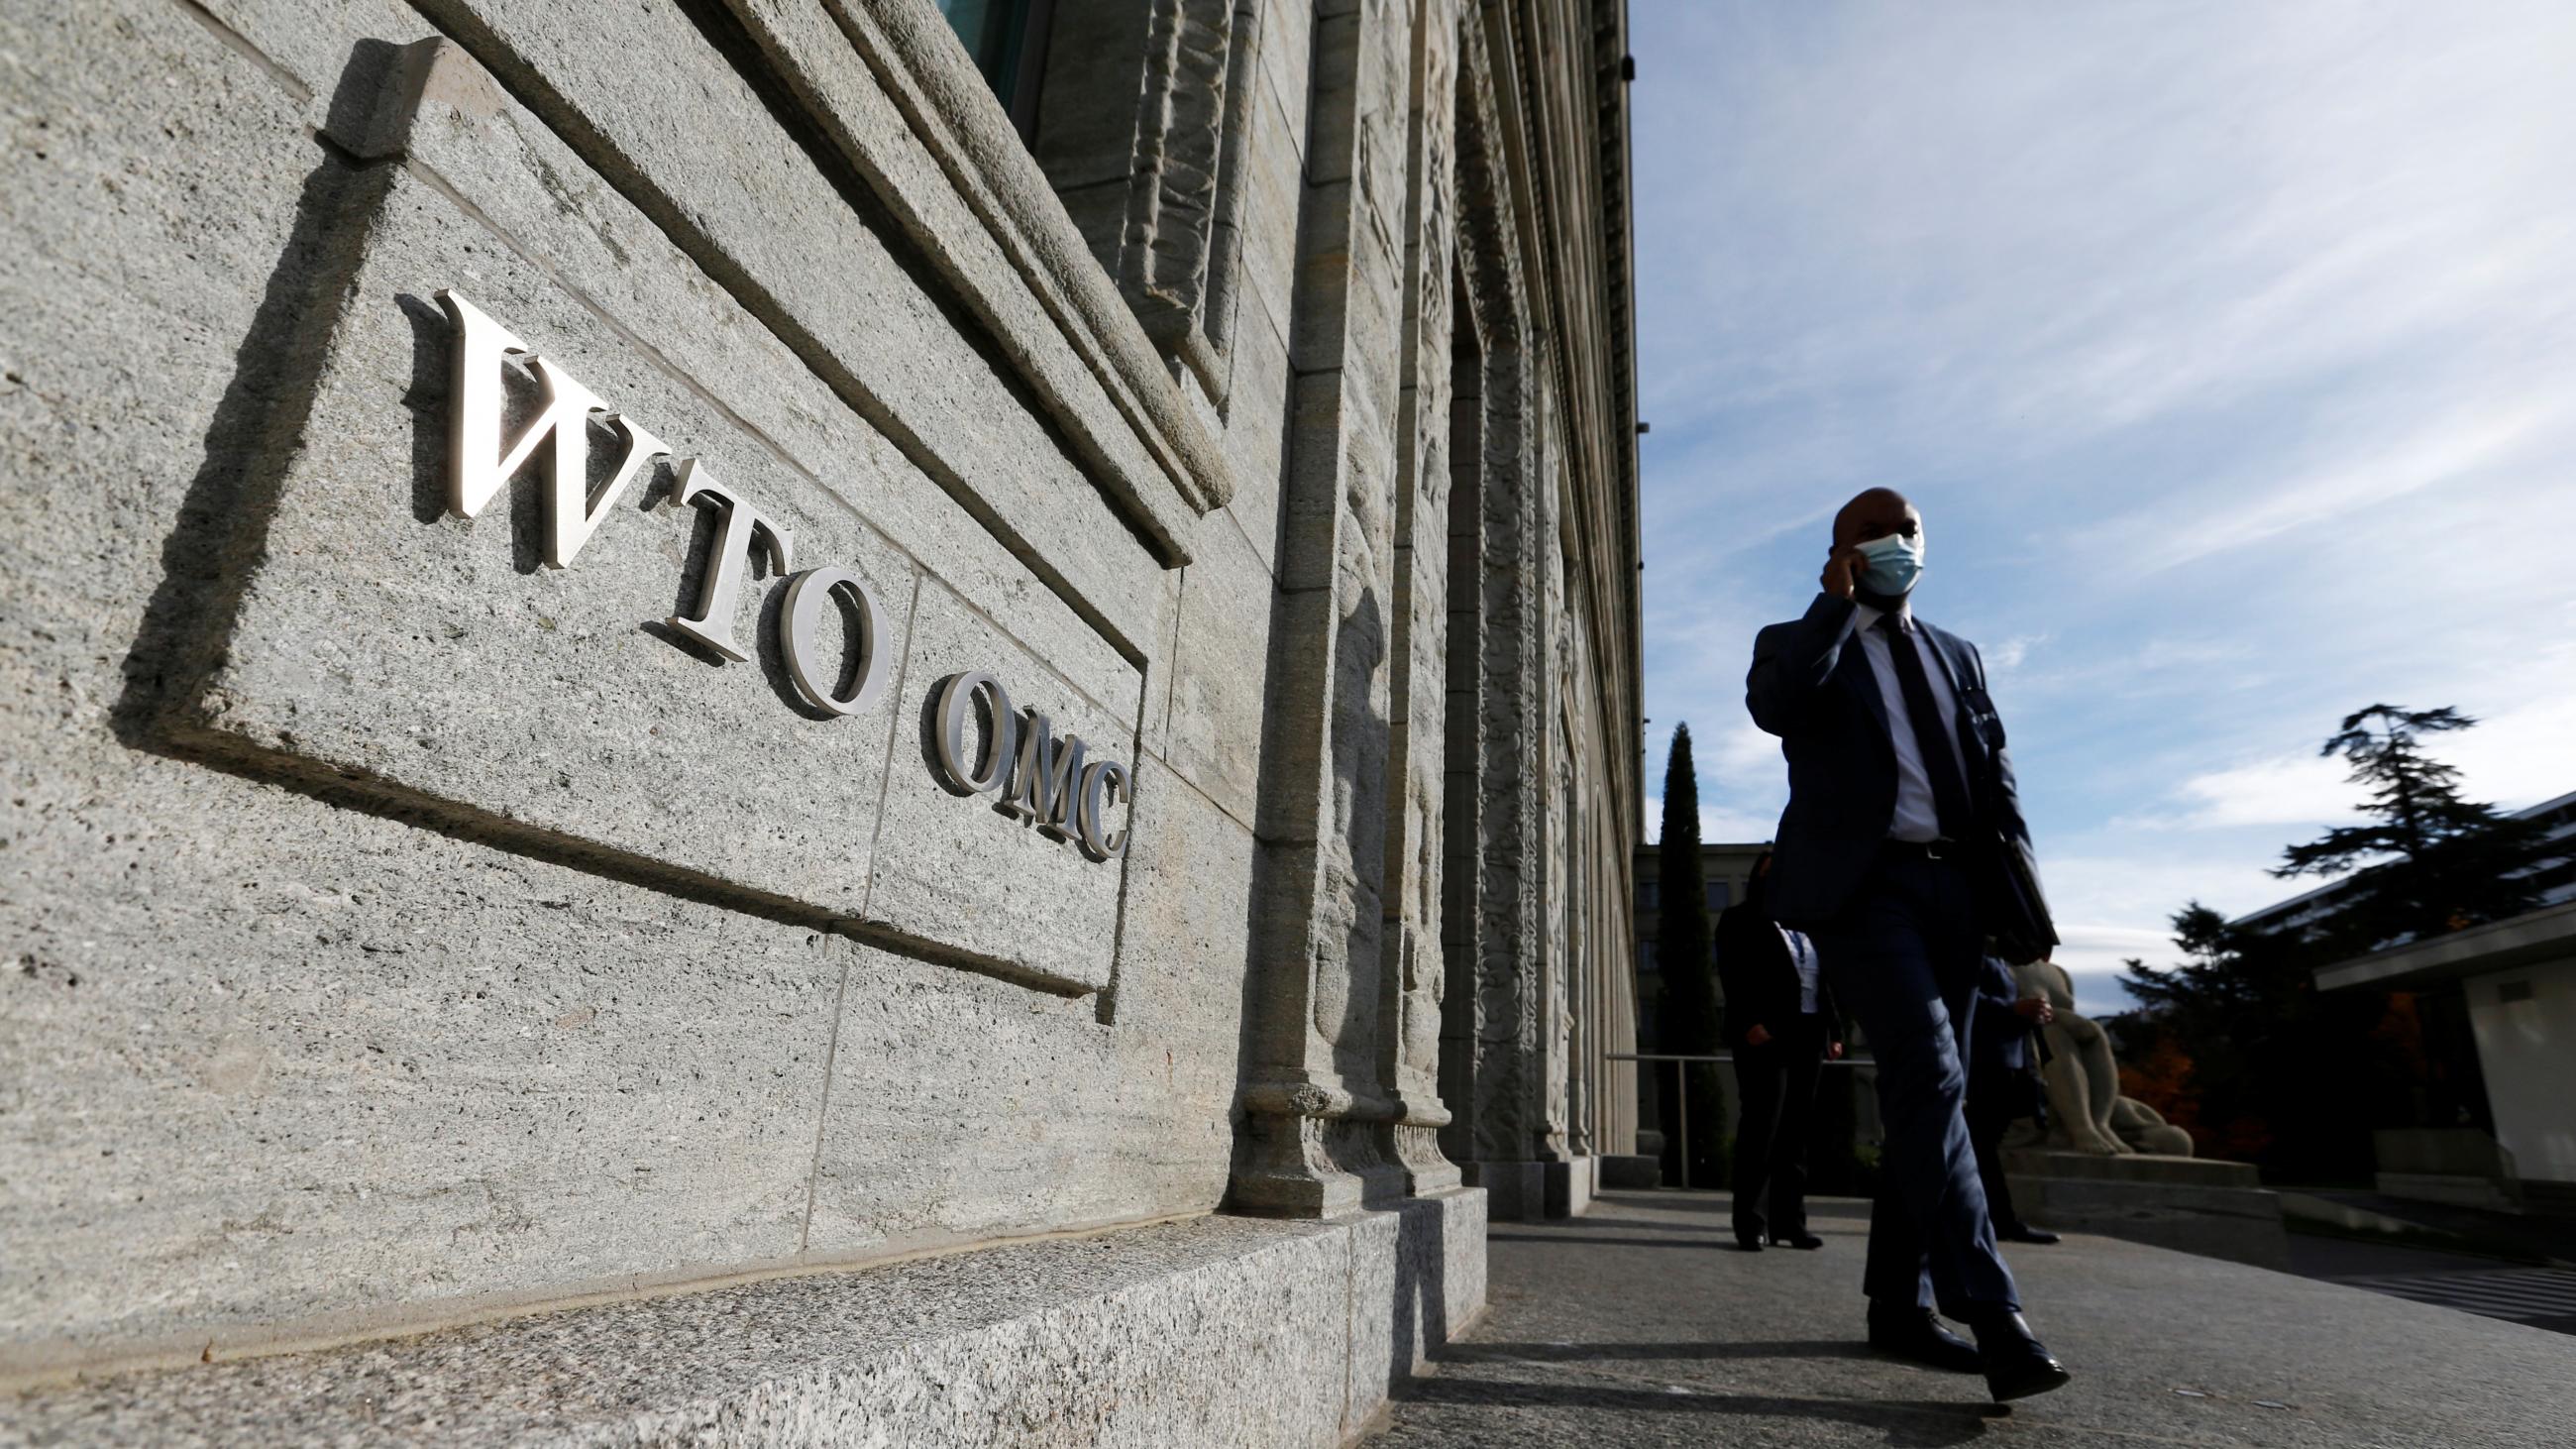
[1823, 702]
[2001, 1084]
[1759, 979]
[1998, 1036]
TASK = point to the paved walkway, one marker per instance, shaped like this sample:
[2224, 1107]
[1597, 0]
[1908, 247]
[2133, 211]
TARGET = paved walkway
[2540, 1295]
[1640, 1324]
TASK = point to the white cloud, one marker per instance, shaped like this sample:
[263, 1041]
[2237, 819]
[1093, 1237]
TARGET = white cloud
[2067, 221]
[2297, 789]
[2231, 349]
[2367, 471]
[1717, 826]
[2093, 957]
[2522, 756]
[2517, 757]
[2006, 658]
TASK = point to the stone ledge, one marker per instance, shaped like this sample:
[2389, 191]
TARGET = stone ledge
[2193, 1205]
[1219, 1330]
[2141, 1167]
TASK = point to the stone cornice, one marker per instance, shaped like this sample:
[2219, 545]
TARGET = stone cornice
[918, 122]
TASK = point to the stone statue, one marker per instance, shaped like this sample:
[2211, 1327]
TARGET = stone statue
[2087, 1112]
[2145, 1128]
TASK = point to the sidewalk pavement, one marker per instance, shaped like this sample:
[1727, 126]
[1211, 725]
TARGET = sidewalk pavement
[2536, 1237]
[1641, 1324]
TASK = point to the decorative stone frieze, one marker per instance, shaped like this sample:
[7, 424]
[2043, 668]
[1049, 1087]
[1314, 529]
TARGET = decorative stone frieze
[1505, 1042]
[1144, 131]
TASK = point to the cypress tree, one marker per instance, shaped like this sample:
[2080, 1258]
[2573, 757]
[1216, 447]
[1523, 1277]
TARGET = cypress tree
[1682, 953]
[1681, 935]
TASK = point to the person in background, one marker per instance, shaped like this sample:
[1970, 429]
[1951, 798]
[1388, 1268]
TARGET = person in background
[2003, 1087]
[1781, 1024]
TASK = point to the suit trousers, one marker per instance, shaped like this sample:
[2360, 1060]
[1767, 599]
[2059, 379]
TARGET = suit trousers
[1776, 1083]
[1903, 958]
[1989, 1117]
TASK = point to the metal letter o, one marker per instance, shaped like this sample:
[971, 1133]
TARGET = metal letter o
[948, 733]
[801, 611]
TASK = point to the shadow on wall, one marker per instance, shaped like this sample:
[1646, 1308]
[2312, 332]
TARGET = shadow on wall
[225, 517]
[1420, 1315]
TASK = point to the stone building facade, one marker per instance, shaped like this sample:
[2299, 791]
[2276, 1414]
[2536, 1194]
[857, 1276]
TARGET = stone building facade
[739, 718]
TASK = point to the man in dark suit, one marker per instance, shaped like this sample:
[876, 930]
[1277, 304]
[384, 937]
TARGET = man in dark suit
[1902, 850]
[2002, 1089]
[1781, 1024]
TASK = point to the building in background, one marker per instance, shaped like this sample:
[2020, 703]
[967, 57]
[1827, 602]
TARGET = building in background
[678, 657]
[1724, 871]
[2517, 980]
[2498, 1001]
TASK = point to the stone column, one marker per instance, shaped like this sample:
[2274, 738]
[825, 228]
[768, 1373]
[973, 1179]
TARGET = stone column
[1496, 796]
[1315, 1107]
[1411, 982]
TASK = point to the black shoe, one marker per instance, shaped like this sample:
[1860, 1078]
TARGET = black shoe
[1916, 1334]
[2017, 1364]
[1749, 1242]
[2028, 1234]
[1806, 1240]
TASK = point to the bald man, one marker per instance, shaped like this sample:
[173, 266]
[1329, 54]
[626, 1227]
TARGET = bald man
[1901, 853]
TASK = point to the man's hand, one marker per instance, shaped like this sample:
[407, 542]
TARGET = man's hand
[2036, 1010]
[1833, 1051]
[1843, 571]
[1757, 1035]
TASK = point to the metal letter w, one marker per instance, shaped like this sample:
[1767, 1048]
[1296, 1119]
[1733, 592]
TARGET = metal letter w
[476, 462]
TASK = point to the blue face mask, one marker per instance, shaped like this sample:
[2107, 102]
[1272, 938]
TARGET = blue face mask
[1895, 563]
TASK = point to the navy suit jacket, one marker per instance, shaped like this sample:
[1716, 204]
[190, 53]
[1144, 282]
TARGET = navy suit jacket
[1998, 1039]
[1811, 685]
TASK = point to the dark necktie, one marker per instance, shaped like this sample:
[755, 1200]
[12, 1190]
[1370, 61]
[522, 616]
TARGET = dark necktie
[1931, 738]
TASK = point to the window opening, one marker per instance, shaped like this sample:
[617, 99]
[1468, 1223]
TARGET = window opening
[1007, 39]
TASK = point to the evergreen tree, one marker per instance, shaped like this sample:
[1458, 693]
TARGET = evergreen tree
[1682, 952]
[2238, 1028]
[1681, 934]
[2437, 862]
[2276, 1071]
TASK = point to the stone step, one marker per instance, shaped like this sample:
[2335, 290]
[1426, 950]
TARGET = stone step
[1219, 1330]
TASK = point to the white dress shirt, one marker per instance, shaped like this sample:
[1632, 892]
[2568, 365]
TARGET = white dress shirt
[1802, 955]
[1917, 818]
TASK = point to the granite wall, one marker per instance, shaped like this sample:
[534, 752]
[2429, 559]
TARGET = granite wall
[440, 885]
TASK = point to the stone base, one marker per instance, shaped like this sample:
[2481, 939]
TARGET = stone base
[1569, 1187]
[1223, 1330]
[1527, 1192]
[1515, 1192]
[2541, 1195]
[2343, 1216]
[1639, 1171]
[2194, 1204]
[2454, 1189]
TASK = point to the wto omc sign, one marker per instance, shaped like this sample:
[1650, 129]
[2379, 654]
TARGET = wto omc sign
[1040, 779]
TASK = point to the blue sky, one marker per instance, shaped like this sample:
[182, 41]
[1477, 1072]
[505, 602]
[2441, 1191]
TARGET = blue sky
[2229, 350]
